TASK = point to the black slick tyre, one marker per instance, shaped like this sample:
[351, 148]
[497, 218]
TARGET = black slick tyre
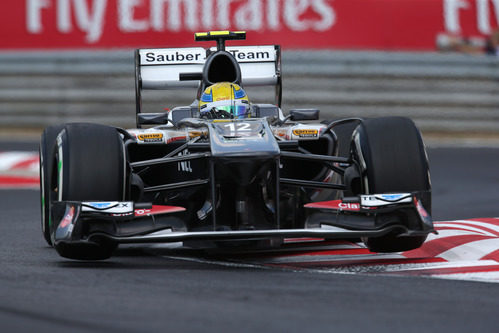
[392, 158]
[92, 167]
[46, 155]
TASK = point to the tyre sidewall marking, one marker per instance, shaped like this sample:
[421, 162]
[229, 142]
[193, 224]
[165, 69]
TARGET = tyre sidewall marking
[42, 188]
[124, 169]
[60, 164]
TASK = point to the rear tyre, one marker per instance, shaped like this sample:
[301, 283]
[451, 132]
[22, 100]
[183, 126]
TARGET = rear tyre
[92, 167]
[392, 158]
[46, 155]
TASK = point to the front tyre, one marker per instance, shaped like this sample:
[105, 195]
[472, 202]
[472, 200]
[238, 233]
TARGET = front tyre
[392, 158]
[91, 164]
[46, 155]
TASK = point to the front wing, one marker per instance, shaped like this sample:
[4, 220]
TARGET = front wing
[129, 222]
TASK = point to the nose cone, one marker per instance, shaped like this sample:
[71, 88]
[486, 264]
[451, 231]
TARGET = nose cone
[242, 138]
[242, 149]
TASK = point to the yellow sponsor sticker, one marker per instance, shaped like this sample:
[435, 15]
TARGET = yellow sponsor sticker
[151, 137]
[306, 133]
[193, 134]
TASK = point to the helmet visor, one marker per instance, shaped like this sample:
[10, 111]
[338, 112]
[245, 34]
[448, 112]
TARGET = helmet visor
[238, 110]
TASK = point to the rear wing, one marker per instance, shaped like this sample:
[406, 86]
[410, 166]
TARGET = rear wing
[160, 69]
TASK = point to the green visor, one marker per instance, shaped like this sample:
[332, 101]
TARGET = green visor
[235, 109]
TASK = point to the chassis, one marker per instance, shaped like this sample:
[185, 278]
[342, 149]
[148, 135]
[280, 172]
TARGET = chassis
[231, 182]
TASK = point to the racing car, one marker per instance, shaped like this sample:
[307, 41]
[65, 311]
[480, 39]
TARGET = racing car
[225, 172]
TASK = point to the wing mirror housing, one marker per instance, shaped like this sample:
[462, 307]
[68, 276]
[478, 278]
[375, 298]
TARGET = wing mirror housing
[304, 114]
[152, 118]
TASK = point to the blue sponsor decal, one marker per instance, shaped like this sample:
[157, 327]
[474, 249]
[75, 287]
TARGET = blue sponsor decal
[392, 197]
[101, 205]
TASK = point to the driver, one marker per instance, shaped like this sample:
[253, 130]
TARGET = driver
[224, 100]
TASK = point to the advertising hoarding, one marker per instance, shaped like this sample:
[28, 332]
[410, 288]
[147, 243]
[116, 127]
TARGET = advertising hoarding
[316, 24]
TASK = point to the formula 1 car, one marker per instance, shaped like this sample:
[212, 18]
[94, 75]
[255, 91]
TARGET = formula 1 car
[226, 181]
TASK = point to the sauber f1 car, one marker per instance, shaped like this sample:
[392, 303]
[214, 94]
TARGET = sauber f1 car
[211, 174]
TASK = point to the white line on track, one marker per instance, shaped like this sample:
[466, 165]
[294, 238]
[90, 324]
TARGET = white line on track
[464, 223]
[460, 230]
[490, 277]
[471, 251]
[218, 262]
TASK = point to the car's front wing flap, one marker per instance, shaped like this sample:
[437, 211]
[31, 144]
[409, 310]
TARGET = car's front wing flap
[383, 209]
[326, 232]
[126, 222]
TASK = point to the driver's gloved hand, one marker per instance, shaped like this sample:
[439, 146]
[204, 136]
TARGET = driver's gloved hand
[222, 114]
[214, 113]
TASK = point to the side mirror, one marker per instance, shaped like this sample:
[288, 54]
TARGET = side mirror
[152, 118]
[304, 114]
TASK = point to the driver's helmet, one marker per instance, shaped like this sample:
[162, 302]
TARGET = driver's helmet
[224, 100]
